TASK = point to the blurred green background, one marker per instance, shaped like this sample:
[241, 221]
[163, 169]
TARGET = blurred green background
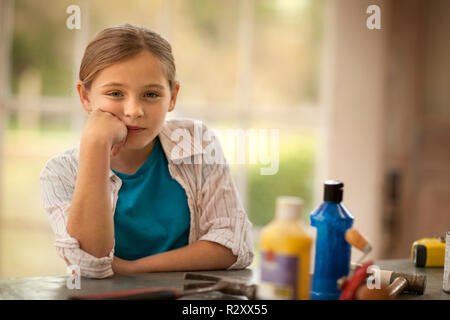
[295, 177]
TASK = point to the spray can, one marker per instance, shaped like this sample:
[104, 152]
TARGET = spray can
[285, 254]
[332, 257]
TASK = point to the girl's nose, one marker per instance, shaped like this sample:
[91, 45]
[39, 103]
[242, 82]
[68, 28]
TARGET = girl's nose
[133, 109]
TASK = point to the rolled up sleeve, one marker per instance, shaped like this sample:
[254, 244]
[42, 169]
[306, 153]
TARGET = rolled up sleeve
[223, 219]
[57, 183]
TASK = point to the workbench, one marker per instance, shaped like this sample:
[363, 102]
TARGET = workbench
[55, 288]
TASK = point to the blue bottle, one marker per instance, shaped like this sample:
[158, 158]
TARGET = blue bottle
[332, 259]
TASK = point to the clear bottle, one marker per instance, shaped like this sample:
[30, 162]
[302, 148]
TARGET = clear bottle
[332, 258]
[285, 253]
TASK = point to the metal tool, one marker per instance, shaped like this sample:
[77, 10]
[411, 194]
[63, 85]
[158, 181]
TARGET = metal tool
[392, 284]
[416, 282]
[214, 284]
[218, 284]
[387, 293]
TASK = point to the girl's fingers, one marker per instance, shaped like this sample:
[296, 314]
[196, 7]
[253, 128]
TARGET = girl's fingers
[116, 148]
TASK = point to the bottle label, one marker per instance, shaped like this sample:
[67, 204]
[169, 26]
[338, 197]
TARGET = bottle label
[279, 276]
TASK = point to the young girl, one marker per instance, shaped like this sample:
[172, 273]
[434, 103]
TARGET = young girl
[125, 200]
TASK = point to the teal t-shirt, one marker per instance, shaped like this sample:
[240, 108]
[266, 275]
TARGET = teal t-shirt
[152, 213]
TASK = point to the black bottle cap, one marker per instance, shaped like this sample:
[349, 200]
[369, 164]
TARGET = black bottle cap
[333, 191]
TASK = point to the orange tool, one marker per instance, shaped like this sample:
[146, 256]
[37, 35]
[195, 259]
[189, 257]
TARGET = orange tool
[355, 239]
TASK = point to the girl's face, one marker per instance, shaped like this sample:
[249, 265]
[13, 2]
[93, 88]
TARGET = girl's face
[137, 92]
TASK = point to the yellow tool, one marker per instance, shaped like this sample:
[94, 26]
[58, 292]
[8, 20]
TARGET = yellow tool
[428, 252]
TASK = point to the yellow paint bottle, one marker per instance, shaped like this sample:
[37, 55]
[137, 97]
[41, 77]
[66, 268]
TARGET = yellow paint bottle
[285, 246]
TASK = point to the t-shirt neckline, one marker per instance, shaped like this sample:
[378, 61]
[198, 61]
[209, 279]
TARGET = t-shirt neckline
[144, 167]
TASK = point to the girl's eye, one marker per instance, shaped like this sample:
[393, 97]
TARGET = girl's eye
[115, 94]
[151, 95]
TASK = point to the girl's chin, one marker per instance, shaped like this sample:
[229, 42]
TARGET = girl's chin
[135, 144]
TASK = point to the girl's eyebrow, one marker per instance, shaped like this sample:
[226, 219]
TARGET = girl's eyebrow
[153, 85]
[113, 84]
[117, 84]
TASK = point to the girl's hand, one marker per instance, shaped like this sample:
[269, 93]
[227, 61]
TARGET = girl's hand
[106, 127]
[121, 266]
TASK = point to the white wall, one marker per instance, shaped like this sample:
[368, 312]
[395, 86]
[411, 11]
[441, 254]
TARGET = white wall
[352, 98]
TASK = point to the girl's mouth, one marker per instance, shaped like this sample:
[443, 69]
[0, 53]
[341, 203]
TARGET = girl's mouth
[134, 130]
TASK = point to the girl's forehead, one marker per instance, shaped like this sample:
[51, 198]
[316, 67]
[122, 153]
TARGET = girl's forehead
[139, 70]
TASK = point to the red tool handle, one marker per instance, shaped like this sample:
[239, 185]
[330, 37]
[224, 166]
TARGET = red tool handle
[135, 294]
[349, 289]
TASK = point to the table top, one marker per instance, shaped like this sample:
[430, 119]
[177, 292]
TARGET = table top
[55, 288]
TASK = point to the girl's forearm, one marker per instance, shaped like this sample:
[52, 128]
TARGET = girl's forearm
[90, 218]
[201, 255]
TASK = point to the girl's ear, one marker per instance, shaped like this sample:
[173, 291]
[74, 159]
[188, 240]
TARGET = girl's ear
[174, 95]
[84, 97]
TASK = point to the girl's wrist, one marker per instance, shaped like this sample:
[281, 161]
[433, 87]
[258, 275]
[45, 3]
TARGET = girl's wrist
[95, 142]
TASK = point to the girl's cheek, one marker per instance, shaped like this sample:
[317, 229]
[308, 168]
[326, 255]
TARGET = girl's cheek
[109, 104]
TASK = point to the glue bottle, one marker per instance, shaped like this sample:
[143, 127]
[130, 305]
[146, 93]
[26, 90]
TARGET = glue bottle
[332, 257]
[285, 253]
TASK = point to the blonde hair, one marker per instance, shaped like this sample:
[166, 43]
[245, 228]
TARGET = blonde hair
[121, 42]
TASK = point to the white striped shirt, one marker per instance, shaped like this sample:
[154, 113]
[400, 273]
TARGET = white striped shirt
[216, 212]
